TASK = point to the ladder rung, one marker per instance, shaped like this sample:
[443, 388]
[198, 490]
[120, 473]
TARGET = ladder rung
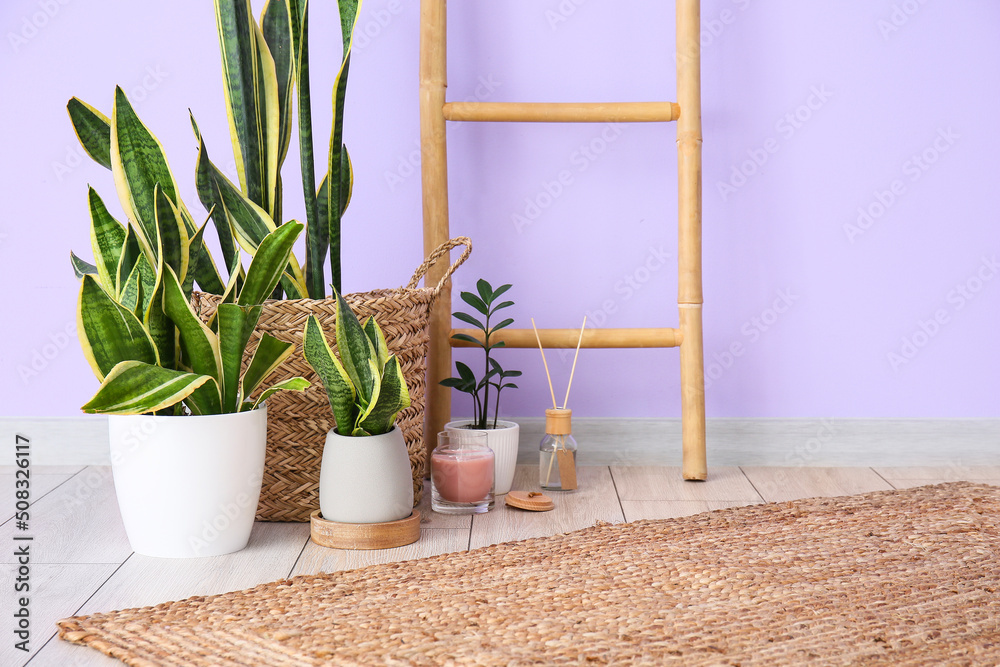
[568, 112]
[637, 337]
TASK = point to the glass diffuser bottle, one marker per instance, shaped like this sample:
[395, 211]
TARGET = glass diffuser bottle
[557, 452]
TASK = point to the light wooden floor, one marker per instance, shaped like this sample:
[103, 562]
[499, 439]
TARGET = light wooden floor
[81, 560]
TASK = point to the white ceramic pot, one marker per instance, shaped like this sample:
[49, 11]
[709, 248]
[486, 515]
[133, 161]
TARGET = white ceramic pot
[503, 441]
[188, 486]
[365, 479]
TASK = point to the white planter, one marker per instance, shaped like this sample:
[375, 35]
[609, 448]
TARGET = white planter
[365, 479]
[188, 486]
[503, 441]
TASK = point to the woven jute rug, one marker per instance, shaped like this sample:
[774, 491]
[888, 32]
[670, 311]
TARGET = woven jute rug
[906, 577]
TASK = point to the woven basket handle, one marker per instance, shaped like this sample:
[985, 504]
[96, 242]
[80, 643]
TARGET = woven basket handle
[442, 251]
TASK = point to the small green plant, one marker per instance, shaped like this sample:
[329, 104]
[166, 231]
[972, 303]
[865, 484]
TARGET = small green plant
[494, 374]
[365, 386]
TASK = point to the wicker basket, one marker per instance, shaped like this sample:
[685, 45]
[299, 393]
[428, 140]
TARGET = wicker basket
[298, 421]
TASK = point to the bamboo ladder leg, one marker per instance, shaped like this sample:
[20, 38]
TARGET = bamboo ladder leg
[689, 293]
[434, 174]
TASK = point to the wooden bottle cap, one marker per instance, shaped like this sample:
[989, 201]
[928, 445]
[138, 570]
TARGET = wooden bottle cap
[530, 500]
[558, 421]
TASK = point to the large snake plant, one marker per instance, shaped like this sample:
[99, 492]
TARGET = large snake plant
[265, 65]
[365, 386]
[136, 325]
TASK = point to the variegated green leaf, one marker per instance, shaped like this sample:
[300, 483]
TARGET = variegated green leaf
[93, 129]
[268, 264]
[291, 384]
[268, 356]
[206, 175]
[81, 267]
[317, 241]
[134, 387]
[130, 253]
[375, 335]
[194, 258]
[138, 163]
[355, 350]
[172, 232]
[107, 236]
[276, 25]
[251, 90]
[331, 373]
[155, 320]
[200, 347]
[109, 333]
[236, 325]
[393, 396]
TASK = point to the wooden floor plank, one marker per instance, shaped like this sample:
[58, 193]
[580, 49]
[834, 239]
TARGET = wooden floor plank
[667, 483]
[44, 470]
[53, 590]
[40, 485]
[910, 483]
[78, 522]
[594, 501]
[433, 541]
[778, 484]
[940, 473]
[636, 510]
[143, 580]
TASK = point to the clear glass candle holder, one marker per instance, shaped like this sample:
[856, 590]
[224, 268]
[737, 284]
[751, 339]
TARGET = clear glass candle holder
[462, 473]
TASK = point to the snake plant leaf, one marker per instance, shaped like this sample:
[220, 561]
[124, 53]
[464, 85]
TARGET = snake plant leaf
[355, 350]
[107, 236]
[336, 195]
[206, 175]
[268, 264]
[276, 25]
[251, 89]
[200, 349]
[130, 253]
[195, 262]
[268, 356]
[139, 288]
[155, 320]
[134, 387]
[291, 384]
[201, 262]
[332, 374]
[81, 267]
[172, 232]
[393, 396]
[475, 302]
[236, 325]
[375, 335]
[317, 242]
[93, 129]
[109, 333]
[138, 163]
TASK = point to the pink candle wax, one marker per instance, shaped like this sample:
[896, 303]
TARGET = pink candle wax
[462, 477]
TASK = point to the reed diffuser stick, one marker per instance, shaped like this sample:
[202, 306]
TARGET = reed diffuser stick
[575, 357]
[542, 350]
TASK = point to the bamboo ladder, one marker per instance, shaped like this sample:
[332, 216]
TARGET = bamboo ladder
[435, 111]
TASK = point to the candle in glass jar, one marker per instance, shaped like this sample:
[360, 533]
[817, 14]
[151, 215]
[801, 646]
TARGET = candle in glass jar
[463, 477]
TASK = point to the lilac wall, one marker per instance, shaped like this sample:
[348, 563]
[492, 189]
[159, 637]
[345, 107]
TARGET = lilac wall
[850, 188]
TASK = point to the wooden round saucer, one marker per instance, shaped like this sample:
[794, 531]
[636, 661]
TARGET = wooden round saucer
[530, 500]
[386, 535]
